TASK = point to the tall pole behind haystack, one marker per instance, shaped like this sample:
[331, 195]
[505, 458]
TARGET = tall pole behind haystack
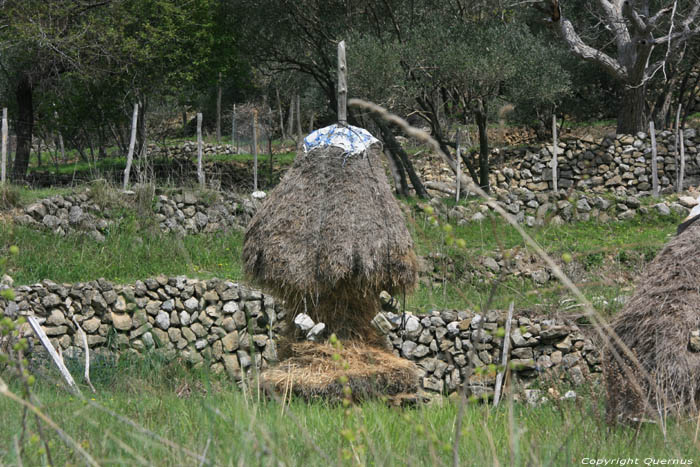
[342, 85]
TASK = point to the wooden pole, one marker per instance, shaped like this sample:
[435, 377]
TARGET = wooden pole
[233, 128]
[218, 111]
[3, 162]
[255, 150]
[132, 144]
[60, 139]
[679, 185]
[504, 357]
[279, 108]
[682, 170]
[654, 169]
[200, 171]
[459, 168]
[555, 160]
[299, 134]
[36, 327]
[290, 120]
[342, 85]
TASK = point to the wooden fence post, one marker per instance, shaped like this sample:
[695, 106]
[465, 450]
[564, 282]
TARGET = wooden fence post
[654, 169]
[342, 85]
[3, 162]
[200, 171]
[555, 158]
[459, 168]
[682, 169]
[233, 128]
[299, 134]
[60, 139]
[218, 111]
[255, 150]
[132, 143]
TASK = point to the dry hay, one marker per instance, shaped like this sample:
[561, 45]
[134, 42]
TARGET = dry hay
[329, 238]
[312, 372]
[655, 325]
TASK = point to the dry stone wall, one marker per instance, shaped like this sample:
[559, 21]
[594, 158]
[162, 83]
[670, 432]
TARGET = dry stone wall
[621, 164]
[231, 327]
[182, 212]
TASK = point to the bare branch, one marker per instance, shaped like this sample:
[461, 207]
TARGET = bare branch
[587, 52]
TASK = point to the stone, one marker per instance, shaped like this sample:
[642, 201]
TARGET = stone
[148, 341]
[382, 324]
[407, 349]
[694, 341]
[56, 318]
[233, 368]
[433, 384]
[230, 307]
[244, 359]
[412, 327]
[303, 322]
[315, 333]
[662, 209]
[91, 325]
[198, 330]
[191, 305]
[139, 318]
[163, 320]
[121, 321]
[491, 264]
[168, 305]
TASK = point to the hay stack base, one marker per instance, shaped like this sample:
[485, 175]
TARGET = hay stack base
[313, 374]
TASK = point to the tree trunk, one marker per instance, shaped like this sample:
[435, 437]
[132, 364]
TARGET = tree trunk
[396, 149]
[25, 128]
[481, 120]
[631, 117]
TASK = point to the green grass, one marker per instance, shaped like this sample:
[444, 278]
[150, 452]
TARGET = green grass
[131, 252]
[127, 255]
[243, 430]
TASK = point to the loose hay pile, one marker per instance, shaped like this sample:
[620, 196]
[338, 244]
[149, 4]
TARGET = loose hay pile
[312, 372]
[659, 324]
[329, 238]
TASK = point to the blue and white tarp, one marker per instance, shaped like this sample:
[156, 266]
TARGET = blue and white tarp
[351, 139]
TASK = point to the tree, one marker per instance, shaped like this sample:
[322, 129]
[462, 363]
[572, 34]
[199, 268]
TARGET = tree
[642, 37]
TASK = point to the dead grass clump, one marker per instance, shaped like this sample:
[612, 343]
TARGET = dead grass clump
[656, 324]
[313, 373]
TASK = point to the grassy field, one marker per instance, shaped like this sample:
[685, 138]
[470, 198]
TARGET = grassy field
[605, 257]
[151, 412]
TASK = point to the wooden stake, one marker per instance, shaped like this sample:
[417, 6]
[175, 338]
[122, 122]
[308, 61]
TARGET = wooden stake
[555, 159]
[504, 357]
[132, 144]
[342, 85]
[233, 128]
[36, 327]
[679, 184]
[279, 108]
[682, 169]
[87, 354]
[299, 135]
[255, 150]
[459, 168]
[3, 161]
[218, 111]
[654, 169]
[200, 171]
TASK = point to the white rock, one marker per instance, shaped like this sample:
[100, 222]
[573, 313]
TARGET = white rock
[316, 332]
[304, 322]
[163, 320]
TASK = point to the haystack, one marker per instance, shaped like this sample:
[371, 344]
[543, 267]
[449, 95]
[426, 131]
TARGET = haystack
[331, 236]
[312, 373]
[660, 325]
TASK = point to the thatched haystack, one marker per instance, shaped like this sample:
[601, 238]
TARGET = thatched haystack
[658, 324]
[330, 237]
[312, 373]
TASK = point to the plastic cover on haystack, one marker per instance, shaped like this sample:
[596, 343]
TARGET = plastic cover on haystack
[351, 139]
